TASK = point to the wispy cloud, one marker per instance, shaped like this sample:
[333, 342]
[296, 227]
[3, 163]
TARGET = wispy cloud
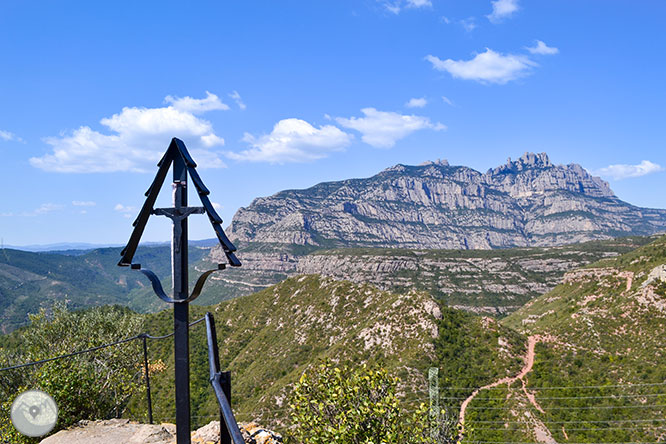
[126, 211]
[448, 101]
[43, 209]
[419, 3]
[47, 208]
[136, 139]
[623, 171]
[293, 140]
[237, 98]
[197, 106]
[9, 136]
[542, 49]
[502, 9]
[83, 203]
[468, 24]
[383, 129]
[416, 102]
[124, 208]
[396, 6]
[486, 67]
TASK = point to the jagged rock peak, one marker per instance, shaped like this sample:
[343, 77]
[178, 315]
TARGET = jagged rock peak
[440, 162]
[526, 202]
[526, 161]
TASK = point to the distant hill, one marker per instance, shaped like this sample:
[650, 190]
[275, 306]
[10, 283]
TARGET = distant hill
[527, 202]
[491, 281]
[30, 280]
[74, 247]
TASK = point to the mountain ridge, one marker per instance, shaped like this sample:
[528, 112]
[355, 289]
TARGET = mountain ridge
[527, 202]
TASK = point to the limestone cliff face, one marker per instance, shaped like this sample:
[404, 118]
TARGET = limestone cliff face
[527, 202]
[496, 282]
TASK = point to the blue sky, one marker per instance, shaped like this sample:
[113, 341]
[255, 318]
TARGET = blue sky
[274, 95]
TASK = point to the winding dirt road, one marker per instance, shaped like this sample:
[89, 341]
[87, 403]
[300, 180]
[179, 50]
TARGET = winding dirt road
[529, 363]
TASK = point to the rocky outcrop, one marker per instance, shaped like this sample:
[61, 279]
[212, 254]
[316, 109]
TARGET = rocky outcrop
[527, 202]
[497, 282]
[252, 433]
[115, 431]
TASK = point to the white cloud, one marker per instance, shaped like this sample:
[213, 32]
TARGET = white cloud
[416, 103]
[197, 106]
[43, 209]
[419, 3]
[47, 208]
[622, 171]
[8, 136]
[448, 101]
[237, 98]
[502, 9]
[469, 24]
[392, 7]
[83, 203]
[126, 211]
[136, 140]
[396, 6]
[446, 20]
[217, 206]
[293, 140]
[383, 129]
[542, 49]
[487, 67]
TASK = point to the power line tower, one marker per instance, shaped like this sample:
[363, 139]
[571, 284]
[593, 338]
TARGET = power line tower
[178, 157]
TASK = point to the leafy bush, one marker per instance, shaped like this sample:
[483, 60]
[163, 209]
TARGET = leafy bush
[332, 405]
[94, 385]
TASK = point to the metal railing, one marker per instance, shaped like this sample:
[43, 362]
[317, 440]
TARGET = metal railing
[221, 382]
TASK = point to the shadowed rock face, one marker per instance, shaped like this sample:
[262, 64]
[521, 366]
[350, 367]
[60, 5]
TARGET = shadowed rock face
[527, 202]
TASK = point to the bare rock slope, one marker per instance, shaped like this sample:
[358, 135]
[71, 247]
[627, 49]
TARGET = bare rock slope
[116, 431]
[527, 202]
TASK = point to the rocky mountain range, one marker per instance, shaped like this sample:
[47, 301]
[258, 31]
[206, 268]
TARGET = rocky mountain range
[526, 202]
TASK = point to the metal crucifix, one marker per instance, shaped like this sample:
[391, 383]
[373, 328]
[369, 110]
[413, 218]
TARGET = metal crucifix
[183, 165]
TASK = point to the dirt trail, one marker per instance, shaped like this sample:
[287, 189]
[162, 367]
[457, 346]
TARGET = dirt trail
[529, 363]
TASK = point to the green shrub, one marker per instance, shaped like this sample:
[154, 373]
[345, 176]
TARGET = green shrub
[332, 405]
[94, 385]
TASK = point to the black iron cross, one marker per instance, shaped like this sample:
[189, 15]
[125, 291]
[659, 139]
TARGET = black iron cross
[183, 165]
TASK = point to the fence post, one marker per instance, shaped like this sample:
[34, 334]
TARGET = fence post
[433, 380]
[145, 366]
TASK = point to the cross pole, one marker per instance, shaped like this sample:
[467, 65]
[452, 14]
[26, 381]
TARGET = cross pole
[178, 157]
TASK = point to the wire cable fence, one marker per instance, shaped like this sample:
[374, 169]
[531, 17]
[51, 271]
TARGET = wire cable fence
[146, 370]
[93, 349]
[221, 381]
[601, 413]
[600, 394]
